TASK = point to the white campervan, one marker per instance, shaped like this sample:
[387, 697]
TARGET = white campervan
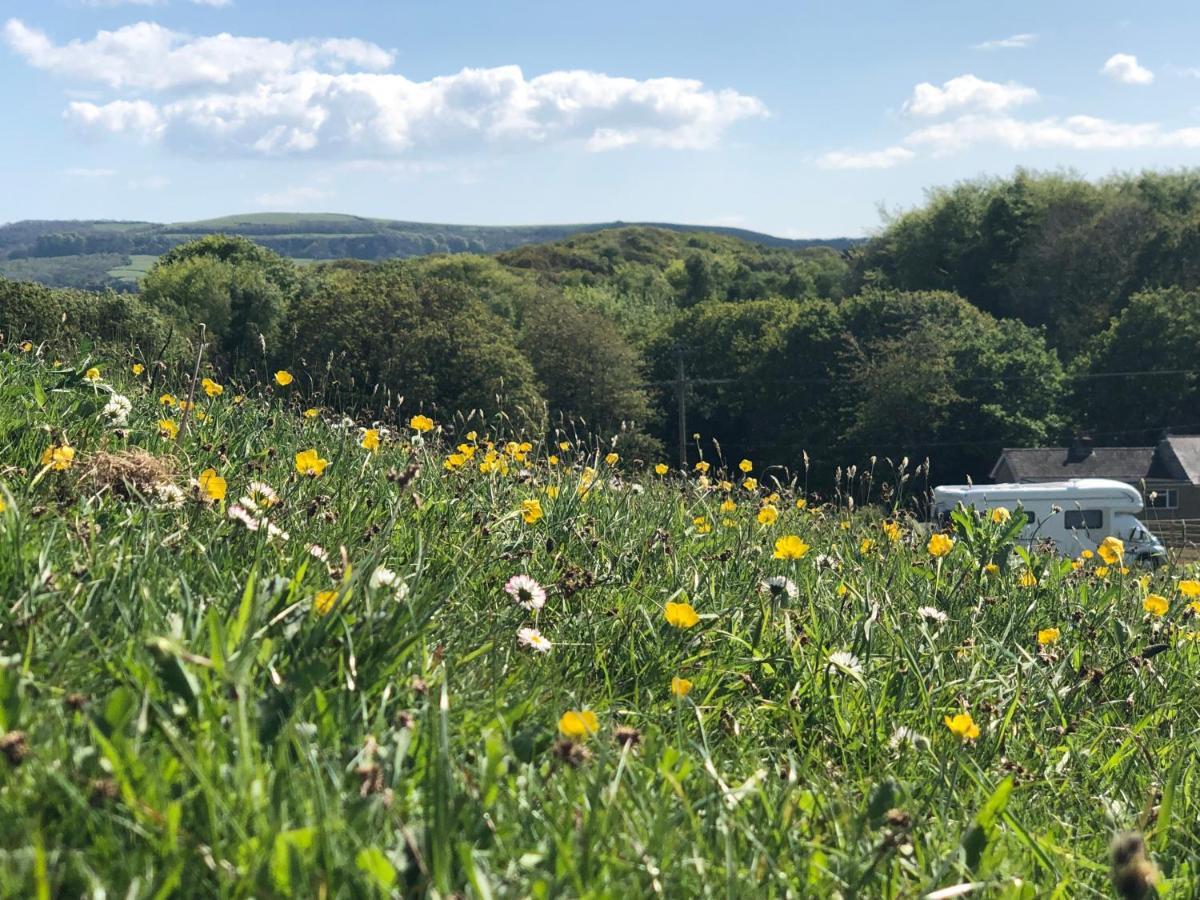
[1076, 515]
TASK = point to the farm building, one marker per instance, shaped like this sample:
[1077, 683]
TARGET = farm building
[1168, 474]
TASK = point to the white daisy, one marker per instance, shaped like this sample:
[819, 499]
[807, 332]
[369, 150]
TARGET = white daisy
[843, 661]
[777, 586]
[531, 637]
[383, 577]
[259, 494]
[117, 409]
[238, 512]
[526, 592]
[169, 495]
[906, 737]
[932, 614]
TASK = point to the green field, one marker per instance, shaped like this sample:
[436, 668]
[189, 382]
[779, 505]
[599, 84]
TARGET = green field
[320, 686]
[133, 270]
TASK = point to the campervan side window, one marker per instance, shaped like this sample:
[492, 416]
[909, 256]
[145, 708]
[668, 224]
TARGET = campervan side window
[1084, 518]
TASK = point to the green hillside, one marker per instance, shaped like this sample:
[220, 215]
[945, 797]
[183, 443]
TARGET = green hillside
[93, 254]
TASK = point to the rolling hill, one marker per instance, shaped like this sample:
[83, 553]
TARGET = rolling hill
[97, 254]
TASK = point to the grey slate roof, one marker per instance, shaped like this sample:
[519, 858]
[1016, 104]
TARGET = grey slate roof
[1050, 463]
[1180, 455]
[1176, 458]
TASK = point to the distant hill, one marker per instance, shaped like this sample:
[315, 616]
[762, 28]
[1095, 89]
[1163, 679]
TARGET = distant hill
[97, 253]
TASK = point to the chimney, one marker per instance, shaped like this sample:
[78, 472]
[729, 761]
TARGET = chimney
[1080, 449]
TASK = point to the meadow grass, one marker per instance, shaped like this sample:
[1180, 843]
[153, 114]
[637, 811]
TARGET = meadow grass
[326, 695]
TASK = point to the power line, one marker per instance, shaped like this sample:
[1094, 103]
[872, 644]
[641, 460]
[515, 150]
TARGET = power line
[1083, 376]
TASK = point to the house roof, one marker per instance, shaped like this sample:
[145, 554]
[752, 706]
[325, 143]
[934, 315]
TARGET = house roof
[1180, 454]
[1176, 458]
[1051, 463]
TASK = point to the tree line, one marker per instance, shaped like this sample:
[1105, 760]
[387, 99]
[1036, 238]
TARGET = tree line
[1003, 312]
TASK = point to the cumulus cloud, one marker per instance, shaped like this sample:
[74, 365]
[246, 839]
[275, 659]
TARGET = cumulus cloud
[966, 92]
[1012, 42]
[1072, 133]
[1124, 68]
[136, 116]
[875, 159]
[335, 97]
[983, 120]
[148, 56]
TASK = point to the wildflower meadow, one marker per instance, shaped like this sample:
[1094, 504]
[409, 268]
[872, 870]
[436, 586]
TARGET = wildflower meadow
[252, 648]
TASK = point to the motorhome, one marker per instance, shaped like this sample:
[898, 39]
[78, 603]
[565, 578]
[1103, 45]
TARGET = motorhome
[1075, 515]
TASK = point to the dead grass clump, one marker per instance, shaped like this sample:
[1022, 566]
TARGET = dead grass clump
[132, 474]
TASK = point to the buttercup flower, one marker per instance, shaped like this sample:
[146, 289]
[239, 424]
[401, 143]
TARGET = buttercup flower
[702, 467]
[311, 413]
[421, 423]
[891, 529]
[939, 545]
[1189, 588]
[58, 457]
[1047, 636]
[310, 463]
[790, 546]
[612, 459]
[680, 615]
[578, 725]
[703, 526]
[283, 379]
[526, 592]
[1000, 515]
[137, 368]
[92, 374]
[212, 388]
[680, 687]
[768, 515]
[1155, 604]
[211, 485]
[745, 465]
[962, 726]
[1028, 579]
[370, 440]
[324, 602]
[531, 511]
[167, 400]
[1111, 550]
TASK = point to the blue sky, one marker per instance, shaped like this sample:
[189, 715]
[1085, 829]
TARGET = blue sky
[796, 118]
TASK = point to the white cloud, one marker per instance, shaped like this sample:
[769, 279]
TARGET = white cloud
[875, 159]
[966, 92]
[89, 173]
[1124, 68]
[333, 97]
[1072, 133]
[217, 3]
[148, 56]
[297, 197]
[136, 116]
[1012, 42]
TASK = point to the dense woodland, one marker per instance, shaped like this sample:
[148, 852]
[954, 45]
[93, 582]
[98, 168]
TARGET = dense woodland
[1001, 312]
